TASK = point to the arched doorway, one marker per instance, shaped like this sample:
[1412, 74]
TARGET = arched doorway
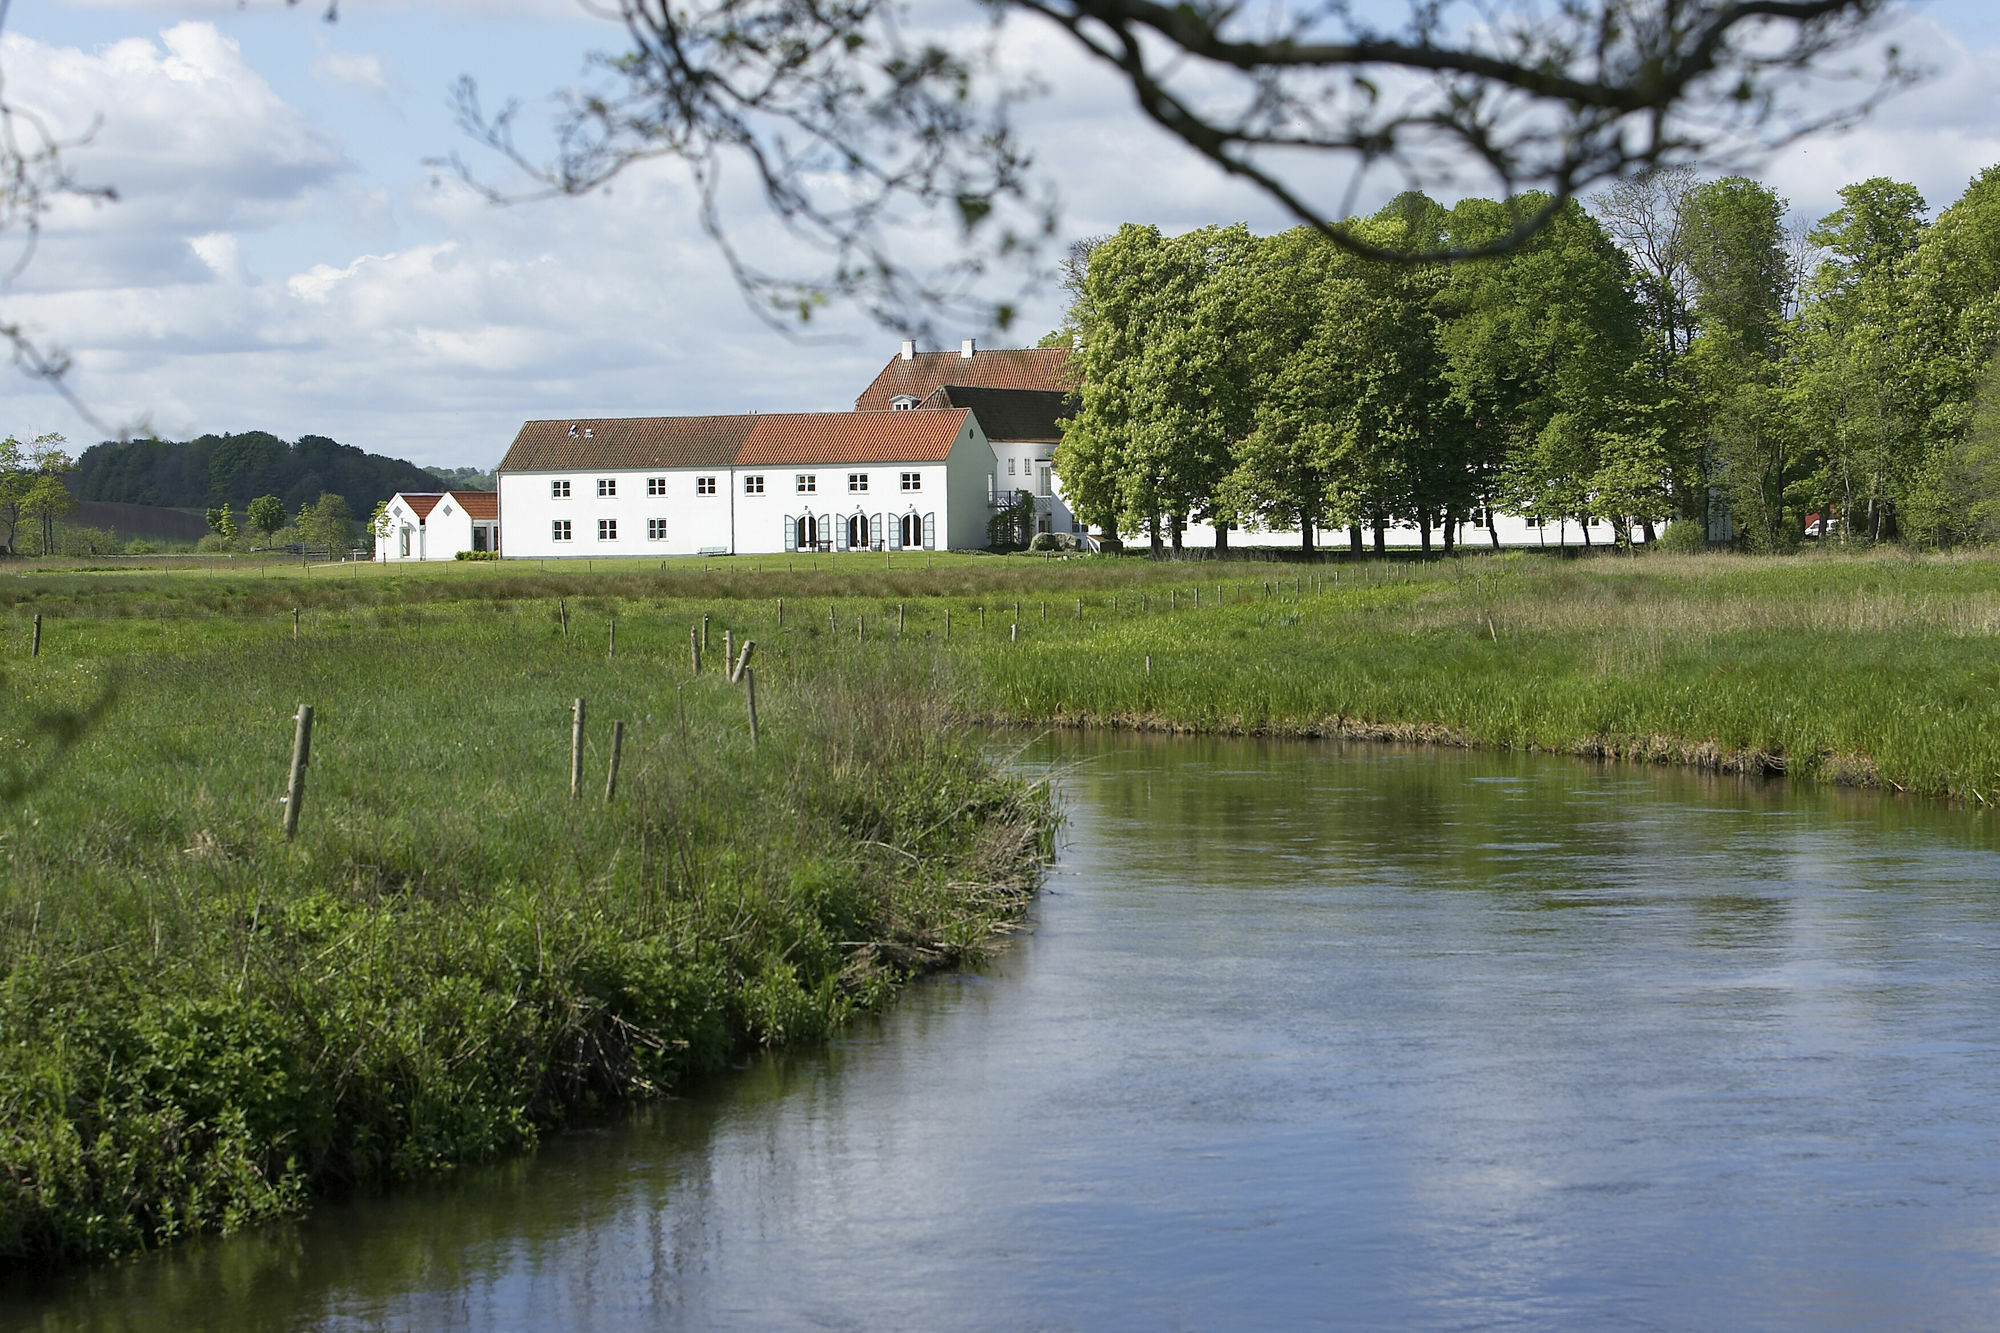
[857, 532]
[806, 537]
[912, 533]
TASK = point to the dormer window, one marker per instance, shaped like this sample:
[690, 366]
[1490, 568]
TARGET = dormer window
[902, 402]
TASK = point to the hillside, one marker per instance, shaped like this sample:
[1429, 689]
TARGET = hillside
[235, 469]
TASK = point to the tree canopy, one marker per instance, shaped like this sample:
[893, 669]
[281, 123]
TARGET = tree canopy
[213, 470]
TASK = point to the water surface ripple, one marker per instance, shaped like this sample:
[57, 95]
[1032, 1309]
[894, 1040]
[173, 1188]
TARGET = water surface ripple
[1301, 1036]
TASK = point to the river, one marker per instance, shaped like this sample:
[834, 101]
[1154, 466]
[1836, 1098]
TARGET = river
[1297, 1035]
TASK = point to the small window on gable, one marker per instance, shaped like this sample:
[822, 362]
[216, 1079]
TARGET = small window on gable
[902, 402]
[447, 511]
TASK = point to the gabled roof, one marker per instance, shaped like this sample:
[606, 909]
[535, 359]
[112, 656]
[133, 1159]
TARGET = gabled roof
[420, 502]
[481, 505]
[781, 439]
[1043, 368]
[1009, 414]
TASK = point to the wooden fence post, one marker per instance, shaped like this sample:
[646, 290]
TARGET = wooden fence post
[562, 613]
[1014, 632]
[694, 648]
[1149, 664]
[742, 663]
[1079, 608]
[617, 748]
[295, 786]
[36, 650]
[860, 627]
[729, 654]
[899, 620]
[295, 624]
[704, 631]
[947, 622]
[750, 700]
[576, 750]
[611, 640]
[781, 601]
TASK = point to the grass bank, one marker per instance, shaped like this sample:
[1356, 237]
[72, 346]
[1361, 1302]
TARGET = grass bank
[202, 1025]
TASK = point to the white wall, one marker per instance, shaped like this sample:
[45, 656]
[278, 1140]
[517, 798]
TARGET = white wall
[440, 536]
[735, 518]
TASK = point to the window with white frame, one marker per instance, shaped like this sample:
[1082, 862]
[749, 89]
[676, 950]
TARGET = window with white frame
[704, 485]
[753, 485]
[806, 483]
[607, 486]
[559, 530]
[656, 485]
[857, 482]
[902, 402]
[913, 481]
[1010, 467]
[656, 529]
[607, 529]
[559, 490]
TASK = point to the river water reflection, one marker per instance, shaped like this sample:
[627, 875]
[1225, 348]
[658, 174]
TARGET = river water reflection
[1301, 1035]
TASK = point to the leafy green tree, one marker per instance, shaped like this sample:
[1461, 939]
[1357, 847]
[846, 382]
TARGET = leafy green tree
[14, 481]
[266, 514]
[222, 523]
[326, 524]
[1736, 257]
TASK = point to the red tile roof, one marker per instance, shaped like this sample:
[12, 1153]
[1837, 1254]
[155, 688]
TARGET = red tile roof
[481, 505]
[1006, 368]
[420, 502]
[779, 439]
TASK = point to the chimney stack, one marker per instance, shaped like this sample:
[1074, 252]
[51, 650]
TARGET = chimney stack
[909, 349]
[965, 350]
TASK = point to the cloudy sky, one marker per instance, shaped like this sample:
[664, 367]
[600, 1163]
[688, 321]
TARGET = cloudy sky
[281, 258]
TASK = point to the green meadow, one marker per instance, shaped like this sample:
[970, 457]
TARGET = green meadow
[203, 1024]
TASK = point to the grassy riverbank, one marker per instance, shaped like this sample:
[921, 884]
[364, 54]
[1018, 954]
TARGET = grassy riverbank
[201, 1025]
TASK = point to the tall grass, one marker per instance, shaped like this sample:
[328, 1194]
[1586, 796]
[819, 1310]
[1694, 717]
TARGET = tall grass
[201, 1025]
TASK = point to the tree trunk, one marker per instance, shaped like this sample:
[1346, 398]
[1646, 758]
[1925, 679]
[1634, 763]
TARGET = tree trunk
[1424, 531]
[1584, 523]
[1221, 534]
[1153, 533]
[1306, 536]
[1646, 530]
[1354, 538]
[1176, 522]
[1492, 533]
[1450, 531]
[1381, 537]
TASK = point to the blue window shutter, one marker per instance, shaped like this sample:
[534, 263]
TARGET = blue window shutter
[840, 536]
[791, 533]
[930, 532]
[875, 529]
[895, 535]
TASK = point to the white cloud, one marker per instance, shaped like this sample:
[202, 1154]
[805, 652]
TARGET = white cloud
[192, 138]
[354, 68]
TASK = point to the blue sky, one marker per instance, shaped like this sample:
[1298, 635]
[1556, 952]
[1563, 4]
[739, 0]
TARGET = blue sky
[282, 259]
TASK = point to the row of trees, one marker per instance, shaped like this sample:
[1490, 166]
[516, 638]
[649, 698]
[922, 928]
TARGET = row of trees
[1677, 351]
[326, 524]
[32, 494]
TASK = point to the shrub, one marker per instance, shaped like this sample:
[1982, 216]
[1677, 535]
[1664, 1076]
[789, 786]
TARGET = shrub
[1683, 536]
[477, 555]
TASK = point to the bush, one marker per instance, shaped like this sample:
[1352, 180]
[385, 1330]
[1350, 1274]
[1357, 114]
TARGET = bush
[477, 555]
[1683, 536]
[142, 546]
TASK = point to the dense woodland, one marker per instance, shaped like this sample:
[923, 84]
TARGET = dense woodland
[1677, 350]
[233, 470]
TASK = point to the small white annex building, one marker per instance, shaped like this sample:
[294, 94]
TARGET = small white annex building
[747, 485]
[437, 525]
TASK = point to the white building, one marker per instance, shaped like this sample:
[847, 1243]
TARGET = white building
[747, 485]
[1020, 395]
[437, 525]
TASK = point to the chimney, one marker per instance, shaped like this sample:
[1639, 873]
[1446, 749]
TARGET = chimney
[965, 350]
[909, 349]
